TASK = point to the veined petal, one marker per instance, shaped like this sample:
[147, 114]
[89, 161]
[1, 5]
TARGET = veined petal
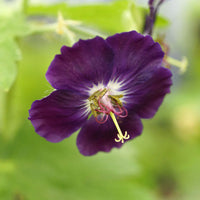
[58, 115]
[137, 66]
[95, 137]
[87, 63]
[146, 93]
[134, 54]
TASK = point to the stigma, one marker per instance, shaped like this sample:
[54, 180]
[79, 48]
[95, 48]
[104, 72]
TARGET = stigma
[104, 104]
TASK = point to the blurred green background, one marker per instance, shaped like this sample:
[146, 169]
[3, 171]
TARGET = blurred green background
[162, 164]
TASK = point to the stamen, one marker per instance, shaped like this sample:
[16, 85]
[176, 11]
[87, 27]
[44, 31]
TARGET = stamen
[120, 136]
[103, 104]
[103, 108]
[124, 113]
[102, 119]
[121, 113]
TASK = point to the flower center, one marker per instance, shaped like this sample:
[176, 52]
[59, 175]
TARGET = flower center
[102, 104]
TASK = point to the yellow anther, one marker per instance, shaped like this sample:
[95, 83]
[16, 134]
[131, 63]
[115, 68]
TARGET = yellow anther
[98, 94]
[120, 136]
[116, 99]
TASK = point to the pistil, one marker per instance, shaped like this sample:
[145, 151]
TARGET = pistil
[102, 104]
[120, 136]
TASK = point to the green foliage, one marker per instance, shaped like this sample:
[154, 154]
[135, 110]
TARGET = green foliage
[117, 16]
[58, 171]
[162, 164]
[109, 17]
[9, 54]
[137, 17]
[161, 22]
[11, 28]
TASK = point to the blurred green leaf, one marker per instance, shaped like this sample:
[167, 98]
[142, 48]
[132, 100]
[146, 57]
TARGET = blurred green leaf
[134, 17]
[14, 26]
[110, 17]
[161, 22]
[9, 54]
[62, 173]
[11, 27]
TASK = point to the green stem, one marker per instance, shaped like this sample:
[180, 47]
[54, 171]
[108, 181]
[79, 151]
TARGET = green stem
[43, 28]
[70, 36]
[7, 122]
[85, 31]
[25, 6]
[2, 110]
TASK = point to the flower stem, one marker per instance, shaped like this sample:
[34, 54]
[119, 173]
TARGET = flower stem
[4, 114]
[85, 31]
[25, 6]
[9, 119]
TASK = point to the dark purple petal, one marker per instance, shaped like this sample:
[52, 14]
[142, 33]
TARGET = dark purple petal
[95, 137]
[134, 53]
[146, 92]
[88, 62]
[59, 115]
[137, 64]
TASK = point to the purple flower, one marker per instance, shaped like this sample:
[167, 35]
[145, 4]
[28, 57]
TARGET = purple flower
[104, 88]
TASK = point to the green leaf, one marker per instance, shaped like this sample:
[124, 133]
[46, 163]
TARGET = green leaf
[110, 17]
[9, 54]
[11, 27]
[134, 17]
[161, 22]
[107, 17]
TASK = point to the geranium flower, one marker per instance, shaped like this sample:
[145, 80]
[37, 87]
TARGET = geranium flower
[104, 88]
